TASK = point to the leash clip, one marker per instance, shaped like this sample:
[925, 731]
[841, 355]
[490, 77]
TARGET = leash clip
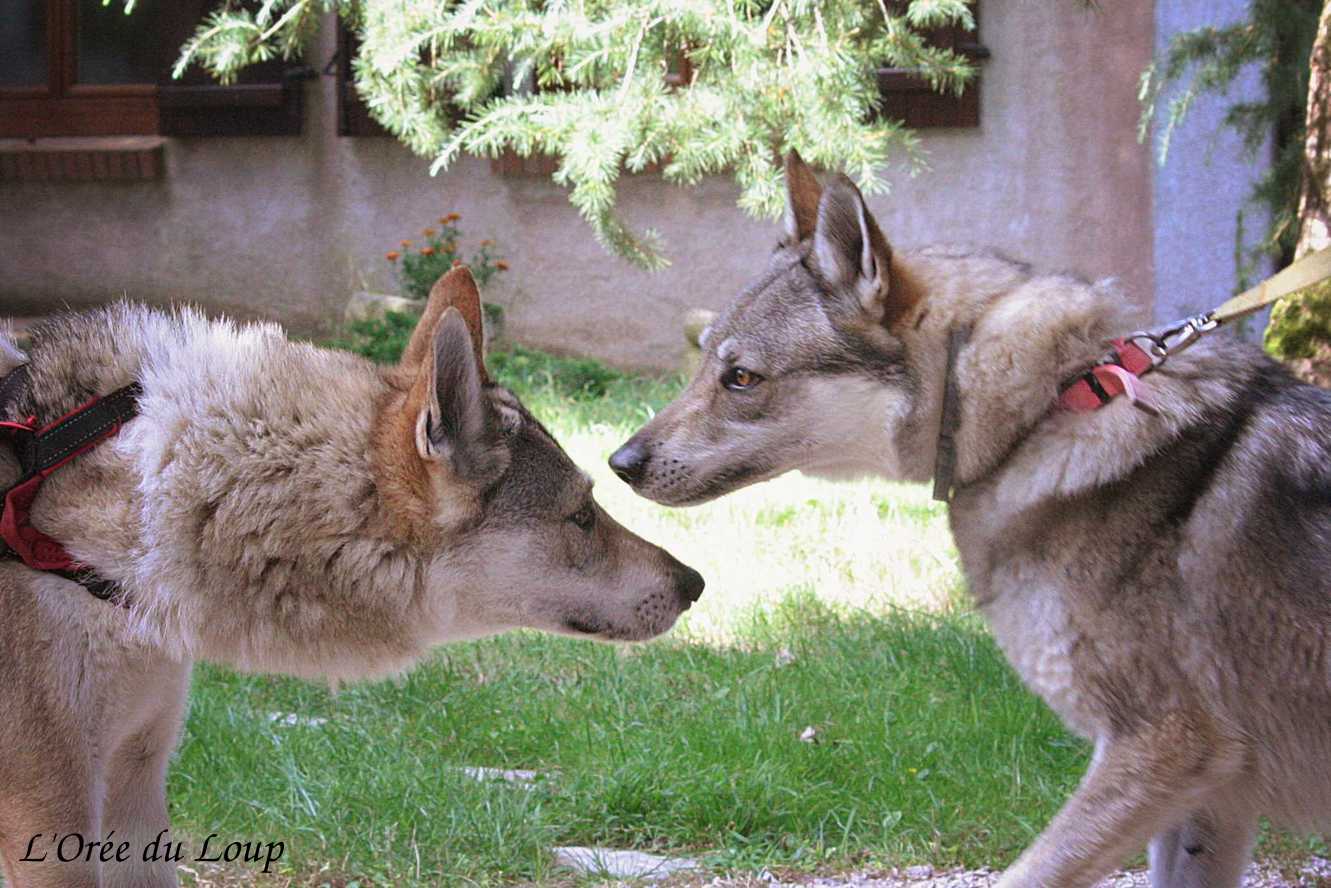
[1177, 338]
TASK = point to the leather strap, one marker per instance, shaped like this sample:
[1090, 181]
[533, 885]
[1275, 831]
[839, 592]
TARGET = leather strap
[945, 461]
[41, 452]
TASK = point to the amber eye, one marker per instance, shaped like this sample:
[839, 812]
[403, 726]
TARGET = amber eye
[584, 517]
[740, 378]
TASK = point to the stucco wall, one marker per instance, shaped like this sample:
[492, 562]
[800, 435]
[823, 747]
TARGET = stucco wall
[287, 228]
[1203, 185]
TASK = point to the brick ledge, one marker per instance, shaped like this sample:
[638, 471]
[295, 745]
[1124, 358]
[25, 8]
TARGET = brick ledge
[81, 159]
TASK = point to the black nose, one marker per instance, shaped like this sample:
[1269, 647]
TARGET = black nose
[689, 584]
[629, 462]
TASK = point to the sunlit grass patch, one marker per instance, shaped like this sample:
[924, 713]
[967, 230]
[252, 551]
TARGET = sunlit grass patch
[828, 700]
[923, 749]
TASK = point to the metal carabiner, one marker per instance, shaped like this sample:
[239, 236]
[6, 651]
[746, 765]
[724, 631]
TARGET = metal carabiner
[1177, 338]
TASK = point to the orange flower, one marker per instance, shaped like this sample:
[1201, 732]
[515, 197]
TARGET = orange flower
[487, 243]
[452, 217]
[406, 245]
[429, 232]
[427, 251]
[451, 246]
[392, 255]
[501, 265]
[443, 220]
[457, 262]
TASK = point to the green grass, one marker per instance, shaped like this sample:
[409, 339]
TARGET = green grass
[837, 607]
[831, 606]
[927, 750]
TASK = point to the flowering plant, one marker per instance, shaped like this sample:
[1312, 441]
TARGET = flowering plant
[418, 267]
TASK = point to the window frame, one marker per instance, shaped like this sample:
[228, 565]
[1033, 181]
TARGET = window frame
[268, 100]
[64, 107]
[908, 98]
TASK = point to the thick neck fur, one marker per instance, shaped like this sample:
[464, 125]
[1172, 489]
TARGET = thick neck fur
[1029, 335]
[260, 532]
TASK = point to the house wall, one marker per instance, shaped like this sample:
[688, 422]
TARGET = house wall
[287, 228]
[1204, 184]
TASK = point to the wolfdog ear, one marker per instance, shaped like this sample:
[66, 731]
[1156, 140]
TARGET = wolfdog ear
[451, 423]
[851, 253]
[802, 195]
[454, 289]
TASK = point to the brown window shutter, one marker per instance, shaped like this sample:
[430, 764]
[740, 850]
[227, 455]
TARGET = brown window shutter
[910, 99]
[266, 100]
[353, 116]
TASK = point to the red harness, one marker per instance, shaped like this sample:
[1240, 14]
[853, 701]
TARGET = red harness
[41, 452]
[1117, 374]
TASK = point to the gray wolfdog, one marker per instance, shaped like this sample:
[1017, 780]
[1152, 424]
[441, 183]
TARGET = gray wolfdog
[276, 507]
[1162, 581]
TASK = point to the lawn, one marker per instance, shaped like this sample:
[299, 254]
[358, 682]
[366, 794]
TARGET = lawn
[832, 607]
[835, 607]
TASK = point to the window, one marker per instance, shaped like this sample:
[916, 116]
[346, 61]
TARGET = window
[81, 68]
[910, 99]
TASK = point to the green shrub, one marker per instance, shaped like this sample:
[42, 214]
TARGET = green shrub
[1300, 324]
[576, 379]
[380, 339]
[439, 251]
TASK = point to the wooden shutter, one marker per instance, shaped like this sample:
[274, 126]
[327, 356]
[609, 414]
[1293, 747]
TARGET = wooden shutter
[909, 98]
[266, 100]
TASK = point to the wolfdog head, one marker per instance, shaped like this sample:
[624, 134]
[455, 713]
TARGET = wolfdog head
[519, 540]
[806, 369]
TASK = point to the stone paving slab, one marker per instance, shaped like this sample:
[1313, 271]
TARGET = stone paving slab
[516, 776]
[611, 864]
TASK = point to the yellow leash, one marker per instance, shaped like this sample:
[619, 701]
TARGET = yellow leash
[1309, 270]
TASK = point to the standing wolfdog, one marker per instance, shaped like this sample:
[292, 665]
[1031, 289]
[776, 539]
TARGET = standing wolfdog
[1162, 581]
[282, 508]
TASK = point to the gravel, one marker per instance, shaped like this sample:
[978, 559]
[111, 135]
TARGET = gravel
[1316, 873]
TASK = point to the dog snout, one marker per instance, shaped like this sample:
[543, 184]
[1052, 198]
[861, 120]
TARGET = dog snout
[629, 462]
[688, 584]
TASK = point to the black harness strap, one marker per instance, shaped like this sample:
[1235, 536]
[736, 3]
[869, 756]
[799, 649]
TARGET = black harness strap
[66, 438]
[41, 452]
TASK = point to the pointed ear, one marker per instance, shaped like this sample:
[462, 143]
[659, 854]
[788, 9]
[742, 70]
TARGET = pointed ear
[851, 253]
[455, 289]
[452, 422]
[802, 195]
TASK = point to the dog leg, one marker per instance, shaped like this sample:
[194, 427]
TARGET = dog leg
[1210, 849]
[50, 818]
[1139, 785]
[136, 788]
